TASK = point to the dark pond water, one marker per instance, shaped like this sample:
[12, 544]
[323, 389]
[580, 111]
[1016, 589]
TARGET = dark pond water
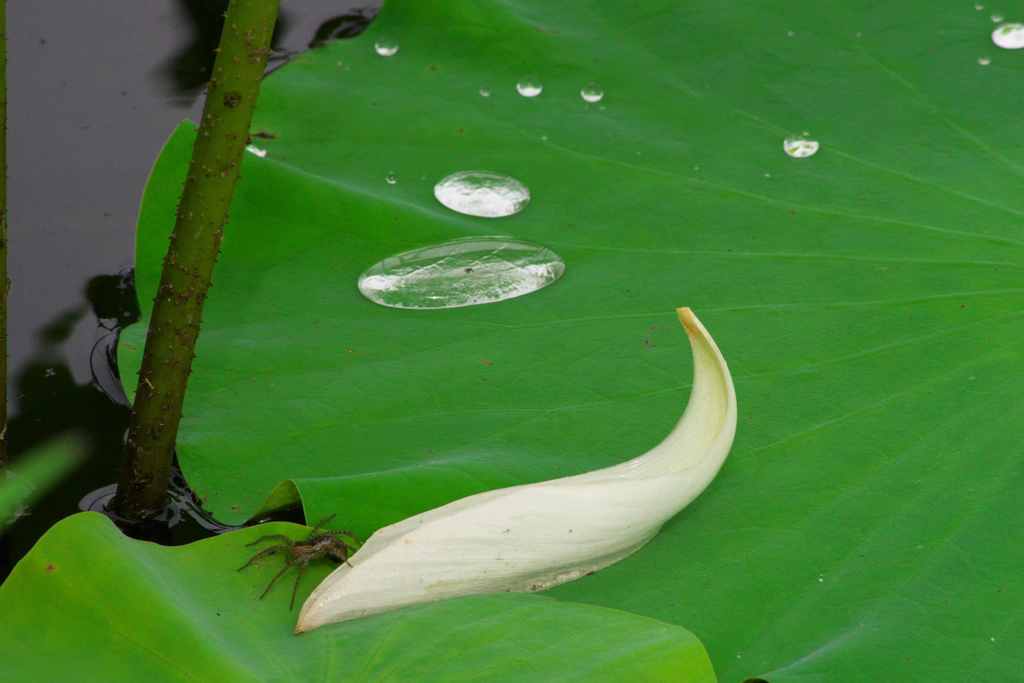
[94, 90]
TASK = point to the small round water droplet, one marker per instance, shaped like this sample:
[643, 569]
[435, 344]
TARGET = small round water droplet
[592, 93]
[386, 47]
[391, 179]
[984, 61]
[979, 7]
[996, 18]
[465, 272]
[529, 86]
[1009, 36]
[485, 92]
[790, 34]
[801, 147]
[767, 175]
[482, 193]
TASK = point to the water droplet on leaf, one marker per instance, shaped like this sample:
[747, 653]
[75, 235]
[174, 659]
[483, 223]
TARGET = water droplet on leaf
[997, 18]
[386, 48]
[482, 193]
[1009, 36]
[984, 61]
[529, 86]
[592, 92]
[391, 179]
[800, 147]
[485, 92]
[465, 272]
[253, 149]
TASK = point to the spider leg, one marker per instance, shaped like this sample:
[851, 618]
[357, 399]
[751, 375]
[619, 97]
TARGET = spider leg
[281, 537]
[320, 524]
[348, 537]
[260, 555]
[277, 576]
[298, 577]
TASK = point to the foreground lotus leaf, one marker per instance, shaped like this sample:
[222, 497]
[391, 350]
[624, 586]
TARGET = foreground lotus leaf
[534, 536]
[90, 604]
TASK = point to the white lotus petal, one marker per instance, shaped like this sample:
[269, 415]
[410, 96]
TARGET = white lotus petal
[534, 536]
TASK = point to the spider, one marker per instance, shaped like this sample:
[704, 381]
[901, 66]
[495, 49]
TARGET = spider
[333, 544]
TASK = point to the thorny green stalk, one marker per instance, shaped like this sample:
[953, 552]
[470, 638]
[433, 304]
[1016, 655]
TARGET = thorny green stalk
[188, 265]
[4, 284]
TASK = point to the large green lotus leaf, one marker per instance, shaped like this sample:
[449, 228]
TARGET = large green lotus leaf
[89, 604]
[868, 299]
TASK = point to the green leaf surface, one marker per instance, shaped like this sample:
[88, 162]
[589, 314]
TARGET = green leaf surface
[868, 299]
[89, 604]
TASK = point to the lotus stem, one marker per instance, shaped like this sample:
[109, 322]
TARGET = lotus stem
[188, 265]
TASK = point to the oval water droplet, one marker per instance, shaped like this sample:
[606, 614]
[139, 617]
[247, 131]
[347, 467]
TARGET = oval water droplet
[529, 86]
[485, 92]
[464, 272]
[482, 193]
[979, 7]
[996, 18]
[984, 61]
[800, 147]
[391, 179]
[386, 47]
[1009, 36]
[253, 149]
[592, 92]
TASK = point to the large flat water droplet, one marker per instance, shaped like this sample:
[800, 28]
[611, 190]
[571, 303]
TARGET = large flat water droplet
[482, 193]
[800, 147]
[529, 86]
[386, 47]
[1009, 36]
[465, 272]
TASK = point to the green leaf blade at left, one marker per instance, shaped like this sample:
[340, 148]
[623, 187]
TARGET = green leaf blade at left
[31, 476]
